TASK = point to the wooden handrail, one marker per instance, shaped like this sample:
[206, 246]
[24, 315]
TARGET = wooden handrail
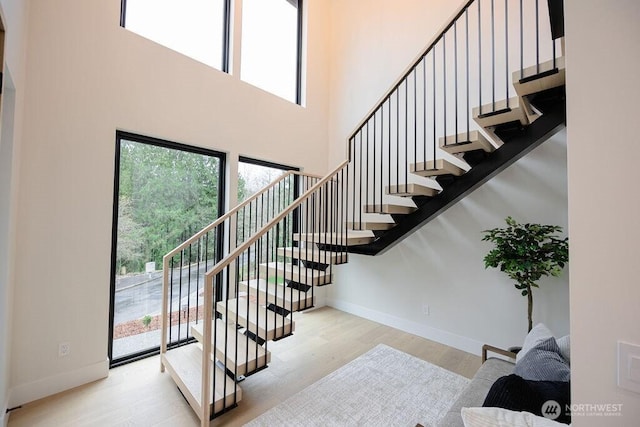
[228, 215]
[223, 263]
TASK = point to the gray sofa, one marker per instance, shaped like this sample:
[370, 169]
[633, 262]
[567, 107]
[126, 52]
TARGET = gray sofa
[475, 393]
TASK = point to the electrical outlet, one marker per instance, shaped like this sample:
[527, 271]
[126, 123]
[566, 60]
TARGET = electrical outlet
[64, 348]
[425, 309]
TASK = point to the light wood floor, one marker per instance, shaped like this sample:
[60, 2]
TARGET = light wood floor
[137, 394]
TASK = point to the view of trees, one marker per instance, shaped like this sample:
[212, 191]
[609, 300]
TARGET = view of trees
[166, 195]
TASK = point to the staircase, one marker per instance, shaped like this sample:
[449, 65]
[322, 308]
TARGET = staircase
[465, 110]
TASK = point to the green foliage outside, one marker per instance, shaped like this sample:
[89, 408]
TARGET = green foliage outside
[146, 320]
[166, 195]
[525, 253]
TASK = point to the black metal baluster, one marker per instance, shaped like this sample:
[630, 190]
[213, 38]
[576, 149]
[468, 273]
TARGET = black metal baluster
[479, 59]
[424, 110]
[415, 118]
[406, 131]
[493, 58]
[374, 159]
[521, 43]
[366, 185]
[360, 204]
[170, 296]
[537, 39]
[397, 137]
[188, 292]
[424, 167]
[466, 19]
[455, 81]
[506, 50]
[389, 142]
[180, 292]
[444, 89]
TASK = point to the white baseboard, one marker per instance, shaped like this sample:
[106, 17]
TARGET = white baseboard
[447, 338]
[25, 393]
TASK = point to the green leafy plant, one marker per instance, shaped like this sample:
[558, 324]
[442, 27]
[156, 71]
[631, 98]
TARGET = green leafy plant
[525, 253]
[146, 320]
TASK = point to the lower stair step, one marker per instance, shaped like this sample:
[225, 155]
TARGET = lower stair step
[295, 273]
[389, 209]
[350, 238]
[314, 255]
[185, 367]
[411, 190]
[275, 293]
[516, 110]
[373, 226]
[439, 167]
[465, 142]
[250, 355]
[262, 322]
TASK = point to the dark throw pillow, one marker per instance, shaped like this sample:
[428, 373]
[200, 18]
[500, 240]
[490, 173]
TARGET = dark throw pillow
[517, 394]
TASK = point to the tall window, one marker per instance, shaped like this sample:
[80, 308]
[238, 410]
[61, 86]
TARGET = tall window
[196, 28]
[164, 193]
[271, 40]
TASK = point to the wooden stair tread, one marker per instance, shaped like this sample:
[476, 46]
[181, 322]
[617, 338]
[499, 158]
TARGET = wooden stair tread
[501, 113]
[250, 355]
[278, 294]
[349, 238]
[314, 255]
[471, 141]
[535, 79]
[389, 209]
[366, 225]
[442, 167]
[410, 190]
[184, 364]
[262, 322]
[296, 273]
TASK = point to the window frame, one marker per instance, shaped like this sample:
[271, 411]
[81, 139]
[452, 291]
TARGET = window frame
[222, 188]
[226, 28]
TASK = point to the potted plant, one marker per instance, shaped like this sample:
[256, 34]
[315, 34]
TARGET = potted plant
[525, 253]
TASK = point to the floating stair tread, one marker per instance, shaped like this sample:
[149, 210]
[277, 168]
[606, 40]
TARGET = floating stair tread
[250, 355]
[264, 323]
[350, 238]
[411, 190]
[314, 255]
[535, 79]
[373, 226]
[278, 294]
[389, 209]
[441, 167]
[185, 367]
[296, 273]
[465, 142]
[503, 112]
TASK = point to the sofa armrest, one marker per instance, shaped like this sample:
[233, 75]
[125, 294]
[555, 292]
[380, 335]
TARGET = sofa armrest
[486, 348]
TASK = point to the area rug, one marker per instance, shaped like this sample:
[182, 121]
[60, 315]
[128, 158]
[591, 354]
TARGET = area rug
[383, 387]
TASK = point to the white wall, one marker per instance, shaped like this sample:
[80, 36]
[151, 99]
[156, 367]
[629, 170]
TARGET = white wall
[602, 92]
[14, 18]
[440, 265]
[88, 77]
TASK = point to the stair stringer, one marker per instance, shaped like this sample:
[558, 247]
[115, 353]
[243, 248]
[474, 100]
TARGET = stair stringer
[551, 122]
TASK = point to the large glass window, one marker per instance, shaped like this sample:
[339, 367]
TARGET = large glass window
[165, 192]
[196, 28]
[271, 33]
